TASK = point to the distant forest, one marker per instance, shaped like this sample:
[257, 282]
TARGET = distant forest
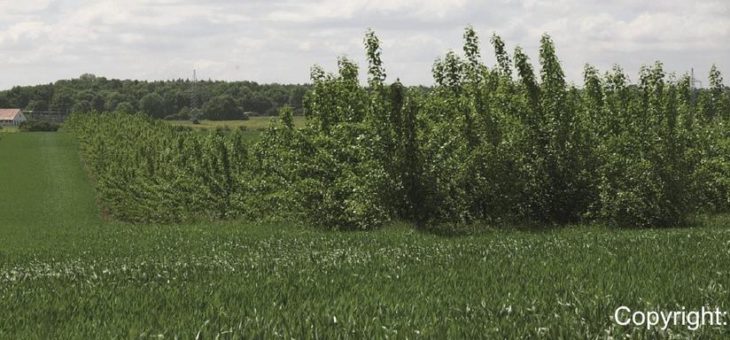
[173, 99]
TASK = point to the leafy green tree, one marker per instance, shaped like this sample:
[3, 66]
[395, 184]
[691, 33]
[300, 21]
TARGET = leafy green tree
[718, 104]
[37, 105]
[222, 108]
[503, 59]
[125, 107]
[62, 100]
[82, 106]
[376, 72]
[257, 103]
[152, 105]
[565, 153]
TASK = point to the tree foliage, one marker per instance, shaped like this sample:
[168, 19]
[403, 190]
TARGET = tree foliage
[481, 147]
[222, 107]
[92, 93]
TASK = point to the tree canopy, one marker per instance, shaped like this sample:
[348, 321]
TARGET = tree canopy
[158, 99]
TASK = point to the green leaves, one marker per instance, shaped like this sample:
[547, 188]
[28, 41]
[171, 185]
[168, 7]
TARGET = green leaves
[479, 147]
[147, 171]
[376, 72]
[503, 59]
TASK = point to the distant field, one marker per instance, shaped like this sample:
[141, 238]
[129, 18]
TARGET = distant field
[8, 129]
[66, 274]
[254, 123]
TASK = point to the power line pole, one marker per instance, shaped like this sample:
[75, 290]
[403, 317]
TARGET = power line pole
[193, 92]
[693, 90]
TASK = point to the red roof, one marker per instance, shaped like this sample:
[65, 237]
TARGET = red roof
[8, 114]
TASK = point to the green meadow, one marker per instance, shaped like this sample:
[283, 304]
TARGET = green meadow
[8, 129]
[256, 123]
[67, 272]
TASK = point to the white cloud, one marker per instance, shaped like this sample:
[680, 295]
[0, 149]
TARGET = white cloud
[277, 41]
[21, 7]
[24, 31]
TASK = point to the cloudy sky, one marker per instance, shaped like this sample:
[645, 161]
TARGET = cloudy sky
[278, 40]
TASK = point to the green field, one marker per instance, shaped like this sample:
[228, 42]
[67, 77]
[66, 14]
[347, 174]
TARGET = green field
[64, 273]
[8, 129]
[253, 123]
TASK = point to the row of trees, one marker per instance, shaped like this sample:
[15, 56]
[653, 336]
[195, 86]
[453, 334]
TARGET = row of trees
[489, 144]
[508, 144]
[179, 99]
[148, 171]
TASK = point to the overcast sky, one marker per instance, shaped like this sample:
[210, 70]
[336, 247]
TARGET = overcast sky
[278, 41]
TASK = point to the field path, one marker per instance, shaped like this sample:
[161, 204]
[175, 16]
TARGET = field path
[43, 189]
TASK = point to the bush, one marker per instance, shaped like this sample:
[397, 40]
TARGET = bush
[223, 108]
[149, 171]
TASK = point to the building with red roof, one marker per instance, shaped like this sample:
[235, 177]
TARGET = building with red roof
[11, 117]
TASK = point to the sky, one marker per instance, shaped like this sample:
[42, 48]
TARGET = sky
[267, 41]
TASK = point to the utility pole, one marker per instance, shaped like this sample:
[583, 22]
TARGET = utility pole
[693, 90]
[193, 92]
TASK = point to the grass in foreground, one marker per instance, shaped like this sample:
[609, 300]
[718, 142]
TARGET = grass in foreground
[67, 275]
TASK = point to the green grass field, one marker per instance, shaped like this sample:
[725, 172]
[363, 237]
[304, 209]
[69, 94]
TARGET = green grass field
[8, 129]
[254, 123]
[64, 273]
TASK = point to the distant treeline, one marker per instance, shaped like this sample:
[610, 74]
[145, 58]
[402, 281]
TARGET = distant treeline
[173, 99]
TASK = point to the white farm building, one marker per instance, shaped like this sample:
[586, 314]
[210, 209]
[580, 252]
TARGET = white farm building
[11, 117]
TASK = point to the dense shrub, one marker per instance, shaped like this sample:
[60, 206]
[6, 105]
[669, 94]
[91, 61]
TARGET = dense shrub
[481, 147]
[223, 108]
[148, 171]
